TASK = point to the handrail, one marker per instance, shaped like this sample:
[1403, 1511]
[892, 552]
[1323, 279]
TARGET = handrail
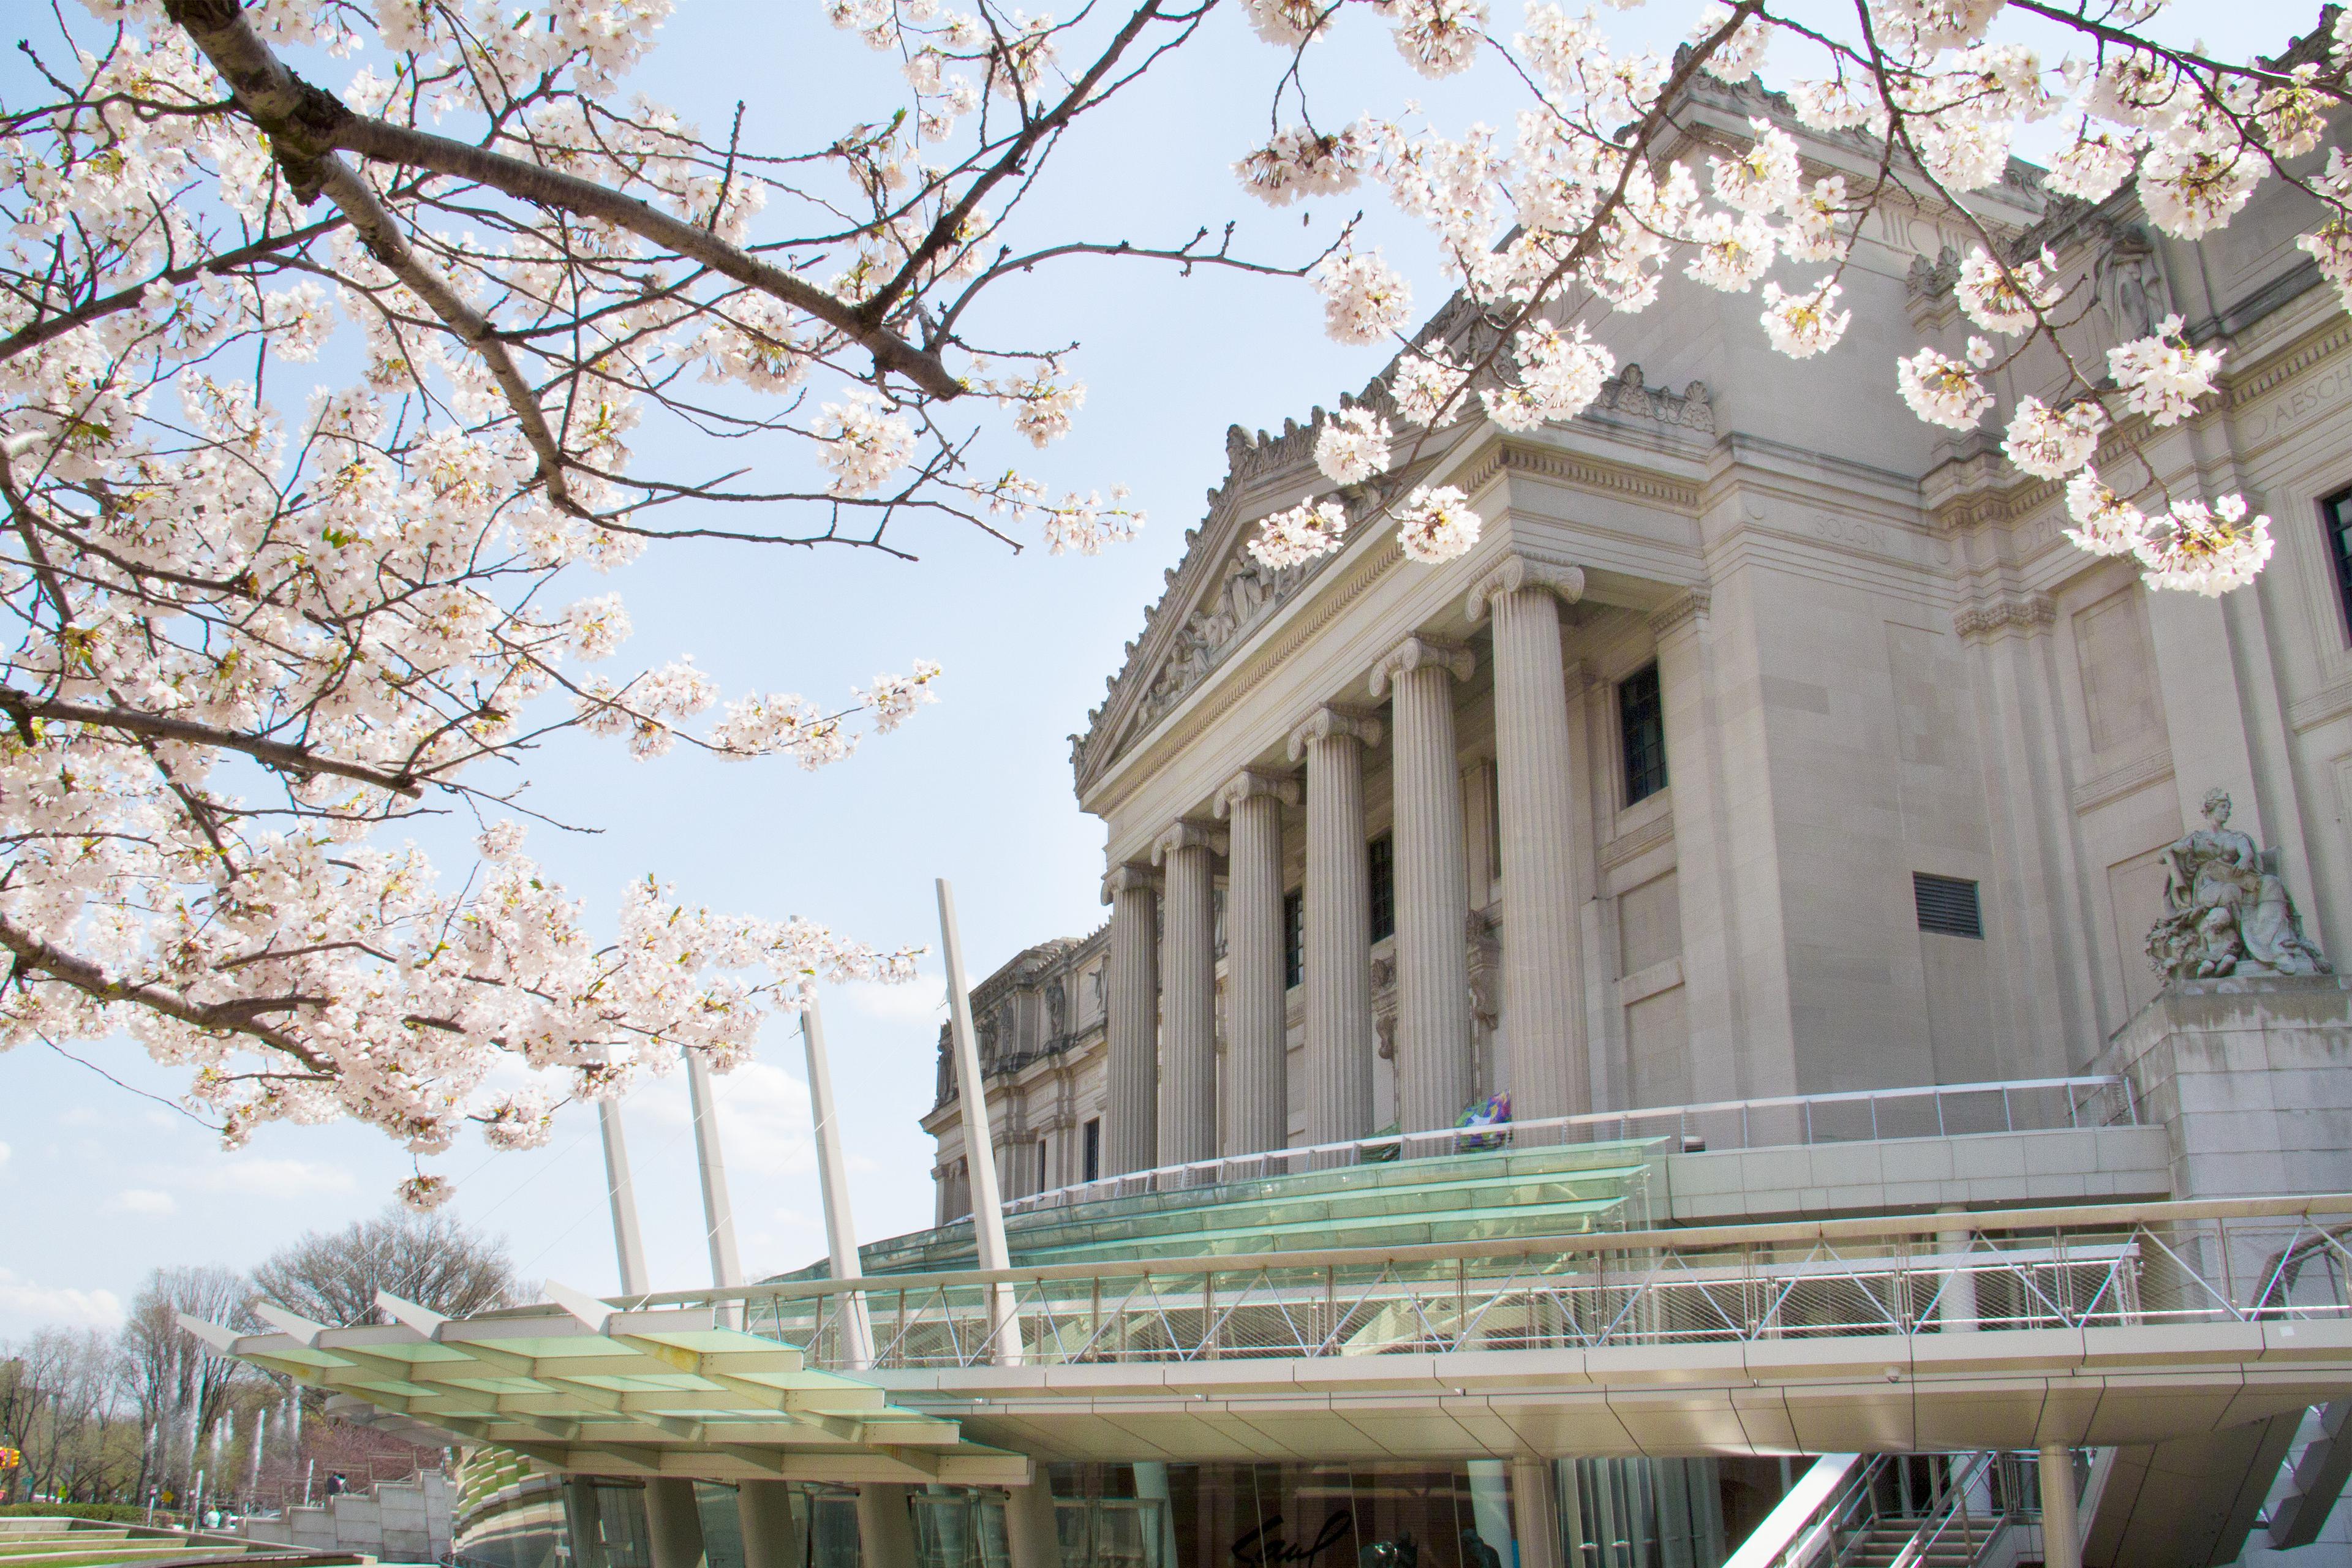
[2073, 1216]
[1825, 1489]
[1317, 1157]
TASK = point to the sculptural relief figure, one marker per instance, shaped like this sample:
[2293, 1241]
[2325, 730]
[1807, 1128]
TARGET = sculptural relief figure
[2226, 911]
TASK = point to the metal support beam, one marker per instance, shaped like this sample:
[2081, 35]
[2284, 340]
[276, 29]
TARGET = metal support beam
[1032, 1538]
[628, 1241]
[1535, 1520]
[765, 1511]
[718, 1214]
[673, 1523]
[2061, 1537]
[979, 1145]
[832, 1188]
[885, 1530]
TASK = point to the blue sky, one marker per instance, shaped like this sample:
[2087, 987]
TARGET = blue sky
[102, 1183]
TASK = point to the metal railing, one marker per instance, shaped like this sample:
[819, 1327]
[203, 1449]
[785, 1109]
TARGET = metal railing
[2212, 1262]
[2021, 1105]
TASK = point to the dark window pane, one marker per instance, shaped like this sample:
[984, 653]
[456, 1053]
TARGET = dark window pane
[2336, 514]
[1641, 732]
[1293, 936]
[1948, 905]
[1381, 854]
[1093, 1151]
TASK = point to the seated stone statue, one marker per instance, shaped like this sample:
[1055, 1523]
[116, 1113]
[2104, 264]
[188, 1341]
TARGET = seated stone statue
[2226, 911]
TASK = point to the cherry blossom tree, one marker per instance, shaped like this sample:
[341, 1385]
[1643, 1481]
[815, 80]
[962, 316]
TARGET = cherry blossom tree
[1597, 195]
[254, 639]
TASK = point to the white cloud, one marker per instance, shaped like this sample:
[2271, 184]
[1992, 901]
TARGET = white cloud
[143, 1200]
[27, 1305]
[764, 1121]
[922, 1000]
[267, 1177]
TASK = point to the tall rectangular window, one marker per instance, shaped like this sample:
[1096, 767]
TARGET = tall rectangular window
[1092, 1149]
[1293, 936]
[1948, 905]
[1381, 855]
[1641, 733]
[2336, 512]
[1041, 1164]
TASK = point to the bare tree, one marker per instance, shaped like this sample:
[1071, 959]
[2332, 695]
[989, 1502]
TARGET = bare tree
[60, 1404]
[179, 1384]
[428, 1258]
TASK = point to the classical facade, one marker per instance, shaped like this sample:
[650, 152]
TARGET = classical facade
[1903, 938]
[1769, 743]
[1039, 1026]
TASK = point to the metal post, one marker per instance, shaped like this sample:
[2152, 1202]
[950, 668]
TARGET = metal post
[628, 1242]
[2061, 1539]
[674, 1524]
[718, 1214]
[979, 1145]
[832, 1188]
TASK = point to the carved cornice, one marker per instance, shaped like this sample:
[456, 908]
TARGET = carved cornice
[1519, 572]
[1325, 723]
[1988, 618]
[2126, 778]
[1418, 652]
[1249, 783]
[1130, 877]
[1185, 833]
[2329, 701]
[1583, 472]
[1687, 608]
[1639, 841]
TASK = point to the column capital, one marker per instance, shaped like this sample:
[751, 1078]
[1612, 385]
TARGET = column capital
[1686, 608]
[1326, 721]
[1133, 876]
[1250, 782]
[1517, 572]
[1416, 652]
[1185, 833]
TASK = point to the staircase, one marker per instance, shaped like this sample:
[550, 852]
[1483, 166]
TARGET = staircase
[1494, 1195]
[1851, 1513]
[1897, 1543]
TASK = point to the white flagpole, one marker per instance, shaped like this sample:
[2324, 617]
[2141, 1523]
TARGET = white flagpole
[832, 1188]
[979, 1146]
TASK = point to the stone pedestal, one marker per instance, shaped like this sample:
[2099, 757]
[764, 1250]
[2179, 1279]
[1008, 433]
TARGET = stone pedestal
[2251, 1080]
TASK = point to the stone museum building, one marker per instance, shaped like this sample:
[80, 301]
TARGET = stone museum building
[1774, 1012]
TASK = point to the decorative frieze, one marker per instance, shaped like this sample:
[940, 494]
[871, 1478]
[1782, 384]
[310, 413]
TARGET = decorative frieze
[1990, 618]
[1686, 608]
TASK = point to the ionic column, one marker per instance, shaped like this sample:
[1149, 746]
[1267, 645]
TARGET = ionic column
[1543, 979]
[1339, 894]
[1186, 854]
[1131, 1093]
[1433, 907]
[1257, 1095]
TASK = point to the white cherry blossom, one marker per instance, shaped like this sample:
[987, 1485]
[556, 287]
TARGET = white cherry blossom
[1437, 525]
[1298, 534]
[2161, 376]
[1802, 325]
[1352, 445]
[2051, 443]
[1943, 389]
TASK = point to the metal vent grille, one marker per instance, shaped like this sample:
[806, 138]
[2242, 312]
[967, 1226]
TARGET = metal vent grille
[1948, 905]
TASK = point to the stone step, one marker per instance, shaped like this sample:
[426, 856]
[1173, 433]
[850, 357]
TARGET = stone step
[1456, 1197]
